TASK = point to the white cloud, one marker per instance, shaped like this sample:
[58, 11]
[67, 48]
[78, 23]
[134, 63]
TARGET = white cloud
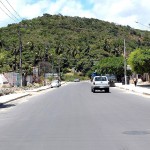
[124, 12]
[69, 8]
[34, 9]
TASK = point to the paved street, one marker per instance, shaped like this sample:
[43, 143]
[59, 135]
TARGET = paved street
[73, 118]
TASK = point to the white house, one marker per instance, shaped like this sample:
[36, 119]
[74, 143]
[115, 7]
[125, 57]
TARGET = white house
[3, 80]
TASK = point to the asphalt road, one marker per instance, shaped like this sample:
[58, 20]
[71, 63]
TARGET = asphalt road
[73, 118]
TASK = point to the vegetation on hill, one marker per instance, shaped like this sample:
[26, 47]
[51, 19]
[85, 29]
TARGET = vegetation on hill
[65, 42]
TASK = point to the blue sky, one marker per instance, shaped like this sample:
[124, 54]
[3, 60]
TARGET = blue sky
[122, 12]
[86, 4]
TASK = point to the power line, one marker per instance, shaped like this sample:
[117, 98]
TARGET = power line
[14, 9]
[142, 24]
[7, 14]
[9, 10]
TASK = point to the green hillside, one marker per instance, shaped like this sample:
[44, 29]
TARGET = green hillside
[68, 42]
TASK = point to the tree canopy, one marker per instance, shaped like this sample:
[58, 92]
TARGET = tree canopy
[139, 60]
[110, 65]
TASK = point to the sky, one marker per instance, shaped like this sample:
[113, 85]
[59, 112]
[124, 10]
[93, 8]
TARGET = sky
[134, 13]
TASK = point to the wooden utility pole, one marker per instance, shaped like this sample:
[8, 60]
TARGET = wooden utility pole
[125, 63]
[20, 56]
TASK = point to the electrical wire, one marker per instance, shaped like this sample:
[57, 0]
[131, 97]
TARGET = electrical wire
[8, 15]
[14, 18]
[14, 9]
[142, 24]
[8, 10]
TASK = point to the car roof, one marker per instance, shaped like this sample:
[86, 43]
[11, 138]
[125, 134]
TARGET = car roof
[100, 76]
[55, 80]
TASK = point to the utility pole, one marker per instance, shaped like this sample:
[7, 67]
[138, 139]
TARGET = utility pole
[125, 63]
[59, 69]
[45, 63]
[20, 56]
[52, 64]
[15, 61]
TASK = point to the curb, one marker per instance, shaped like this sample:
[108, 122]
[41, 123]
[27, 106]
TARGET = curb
[29, 93]
[15, 98]
[134, 90]
[38, 90]
[146, 93]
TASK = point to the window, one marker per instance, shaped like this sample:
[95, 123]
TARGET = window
[100, 79]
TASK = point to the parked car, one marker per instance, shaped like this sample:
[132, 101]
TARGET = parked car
[100, 83]
[77, 80]
[55, 83]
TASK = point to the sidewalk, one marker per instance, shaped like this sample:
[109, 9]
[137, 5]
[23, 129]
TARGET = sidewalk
[8, 98]
[140, 88]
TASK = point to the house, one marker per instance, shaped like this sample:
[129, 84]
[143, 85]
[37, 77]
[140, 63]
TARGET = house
[3, 81]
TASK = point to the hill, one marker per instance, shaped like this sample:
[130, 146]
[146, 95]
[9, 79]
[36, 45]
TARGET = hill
[65, 42]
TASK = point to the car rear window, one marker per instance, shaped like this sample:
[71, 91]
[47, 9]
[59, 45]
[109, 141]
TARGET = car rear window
[100, 79]
[5, 82]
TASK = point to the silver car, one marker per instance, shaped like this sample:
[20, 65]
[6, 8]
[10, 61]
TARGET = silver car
[55, 83]
[100, 83]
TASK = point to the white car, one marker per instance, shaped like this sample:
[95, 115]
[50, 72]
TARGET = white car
[55, 83]
[100, 83]
[77, 80]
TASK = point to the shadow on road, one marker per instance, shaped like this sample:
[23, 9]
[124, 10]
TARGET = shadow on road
[136, 132]
[6, 106]
[99, 91]
[144, 86]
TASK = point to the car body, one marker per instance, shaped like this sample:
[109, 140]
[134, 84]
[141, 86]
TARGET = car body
[77, 80]
[100, 83]
[55, 83]
[111, 77]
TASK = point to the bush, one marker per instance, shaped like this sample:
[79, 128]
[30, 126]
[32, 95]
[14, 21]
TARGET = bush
[71, 77]
[6, 91]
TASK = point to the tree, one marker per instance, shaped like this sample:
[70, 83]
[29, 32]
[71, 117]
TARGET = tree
[4, 66]
[139, 60]
[110, 65]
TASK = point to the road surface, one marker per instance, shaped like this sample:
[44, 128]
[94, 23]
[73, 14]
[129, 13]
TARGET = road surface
[73, 118]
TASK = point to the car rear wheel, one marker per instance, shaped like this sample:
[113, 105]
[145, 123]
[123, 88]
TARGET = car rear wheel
[91, 90]
[107, 90]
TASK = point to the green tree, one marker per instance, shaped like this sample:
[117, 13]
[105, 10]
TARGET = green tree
[139, 60]
[110, 65]
[2, 57]
[4, 66]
